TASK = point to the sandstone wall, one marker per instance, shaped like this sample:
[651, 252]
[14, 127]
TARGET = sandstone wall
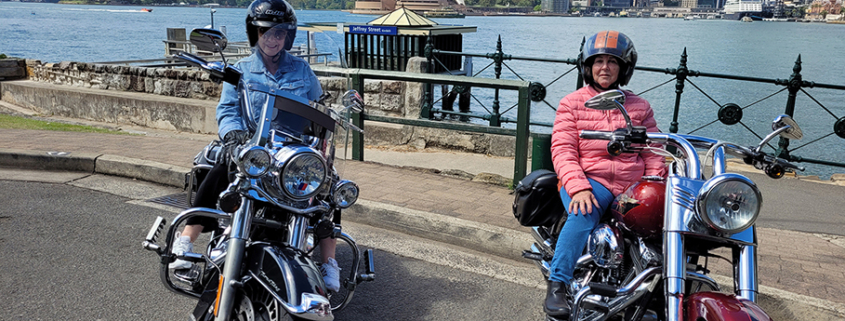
[383, 98]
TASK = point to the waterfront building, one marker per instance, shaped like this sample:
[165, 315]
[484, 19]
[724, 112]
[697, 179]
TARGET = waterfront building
[737, 9]
[387, 6]
[557, 6]
[618, 3]
[825, 6]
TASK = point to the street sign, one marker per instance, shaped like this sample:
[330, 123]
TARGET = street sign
[373, 30]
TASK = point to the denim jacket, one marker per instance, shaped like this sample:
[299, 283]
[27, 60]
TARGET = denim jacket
[293, 76]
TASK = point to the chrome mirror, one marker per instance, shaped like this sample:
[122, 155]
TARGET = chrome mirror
[606, 100]
[611, 99]
[208, 39]
[784, 126]
[792, 130]
[352, 100]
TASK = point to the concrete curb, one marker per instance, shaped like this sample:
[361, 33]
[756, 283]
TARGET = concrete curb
[27, 159]
[142, 169]
[472, 235]
[95, 163]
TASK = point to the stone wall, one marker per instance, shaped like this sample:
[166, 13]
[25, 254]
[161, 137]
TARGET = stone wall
[12, 68]
[382, 98]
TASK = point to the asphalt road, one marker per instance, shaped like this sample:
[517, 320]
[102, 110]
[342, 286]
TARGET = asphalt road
[72, 251]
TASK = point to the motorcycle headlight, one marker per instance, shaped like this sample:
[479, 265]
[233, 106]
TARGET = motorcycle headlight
[729, 203]
[345, 193]
[303, 175]
[255, 161]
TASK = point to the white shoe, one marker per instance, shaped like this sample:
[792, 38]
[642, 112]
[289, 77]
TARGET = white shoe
[331, 275]
[182, 245]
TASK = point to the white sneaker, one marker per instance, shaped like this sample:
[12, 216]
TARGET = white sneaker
[331, 275]
[182, 245]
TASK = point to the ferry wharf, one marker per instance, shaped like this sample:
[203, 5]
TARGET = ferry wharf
[802, 275]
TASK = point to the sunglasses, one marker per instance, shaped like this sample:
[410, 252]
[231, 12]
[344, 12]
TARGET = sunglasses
[276, 33]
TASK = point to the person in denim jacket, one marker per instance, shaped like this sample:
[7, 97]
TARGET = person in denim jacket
[271, 29]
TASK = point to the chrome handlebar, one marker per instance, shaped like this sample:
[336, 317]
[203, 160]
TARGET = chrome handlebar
[620, 141]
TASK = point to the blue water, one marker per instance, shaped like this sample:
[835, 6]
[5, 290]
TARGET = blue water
[55, 32]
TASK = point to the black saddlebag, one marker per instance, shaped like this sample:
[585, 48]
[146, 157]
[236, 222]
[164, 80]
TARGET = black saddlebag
[203, 163]
[537, 200]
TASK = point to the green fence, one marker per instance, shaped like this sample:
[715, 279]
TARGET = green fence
[726, 113]
[535, 92]
[358, 76]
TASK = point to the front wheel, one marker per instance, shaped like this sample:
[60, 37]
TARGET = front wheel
[255, 303]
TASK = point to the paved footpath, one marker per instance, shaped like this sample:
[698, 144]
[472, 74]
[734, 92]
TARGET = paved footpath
[809, 265]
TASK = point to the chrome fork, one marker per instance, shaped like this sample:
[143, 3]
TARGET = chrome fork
[241, 221]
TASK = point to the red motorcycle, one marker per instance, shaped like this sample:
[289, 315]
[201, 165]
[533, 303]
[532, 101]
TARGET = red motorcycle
[648, 258]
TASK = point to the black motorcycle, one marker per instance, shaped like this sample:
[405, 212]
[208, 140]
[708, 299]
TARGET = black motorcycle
[258, 265]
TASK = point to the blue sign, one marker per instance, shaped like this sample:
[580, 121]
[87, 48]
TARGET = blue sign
[373, 30]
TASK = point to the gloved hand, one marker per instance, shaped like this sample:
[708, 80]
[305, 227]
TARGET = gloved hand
[230, 142]
[235, 137]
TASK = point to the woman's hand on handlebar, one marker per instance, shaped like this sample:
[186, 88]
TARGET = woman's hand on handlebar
[584, 201]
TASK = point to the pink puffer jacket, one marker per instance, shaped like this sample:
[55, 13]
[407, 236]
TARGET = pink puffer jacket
[575, 159]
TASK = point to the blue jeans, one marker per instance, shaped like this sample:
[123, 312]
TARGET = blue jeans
[573, 236]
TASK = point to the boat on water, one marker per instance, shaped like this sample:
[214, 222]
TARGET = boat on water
[146, 10]
[443, 13]
[737, 9]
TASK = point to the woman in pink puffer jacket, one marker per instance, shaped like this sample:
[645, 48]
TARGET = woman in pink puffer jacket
[589, 177]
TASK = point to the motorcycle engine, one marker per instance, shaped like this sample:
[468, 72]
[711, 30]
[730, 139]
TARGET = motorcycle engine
[606, 246]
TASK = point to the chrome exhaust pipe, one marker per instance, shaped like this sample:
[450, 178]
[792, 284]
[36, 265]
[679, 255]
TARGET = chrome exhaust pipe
[622, 298]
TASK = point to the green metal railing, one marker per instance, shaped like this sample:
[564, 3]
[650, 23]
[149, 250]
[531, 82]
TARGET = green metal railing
[728, 113]
[358, 76]
[528, 92]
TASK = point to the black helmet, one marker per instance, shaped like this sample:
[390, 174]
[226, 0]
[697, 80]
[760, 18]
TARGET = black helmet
[612, 43]
[270, 14]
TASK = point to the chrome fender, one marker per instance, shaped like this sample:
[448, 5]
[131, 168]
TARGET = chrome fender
[716, 306]
[292, 278]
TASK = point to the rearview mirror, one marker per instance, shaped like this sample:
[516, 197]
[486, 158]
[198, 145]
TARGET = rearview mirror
[793, 132]
[352, 99]
[208, 39]
[606, 100]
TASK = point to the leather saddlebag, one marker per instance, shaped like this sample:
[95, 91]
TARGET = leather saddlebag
[537, 200]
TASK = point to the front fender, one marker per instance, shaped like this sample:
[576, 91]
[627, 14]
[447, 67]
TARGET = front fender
[715, 306]
[287, 273]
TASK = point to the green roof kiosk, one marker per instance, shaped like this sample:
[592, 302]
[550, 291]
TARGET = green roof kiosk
[387, 42]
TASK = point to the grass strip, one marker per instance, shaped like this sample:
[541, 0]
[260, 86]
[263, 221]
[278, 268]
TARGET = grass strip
[15, 122]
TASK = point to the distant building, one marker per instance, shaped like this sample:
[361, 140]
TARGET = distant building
[828, 6]
[618, 3]
[580, 3]
[386, 6]
[556, 6]
[689, 3]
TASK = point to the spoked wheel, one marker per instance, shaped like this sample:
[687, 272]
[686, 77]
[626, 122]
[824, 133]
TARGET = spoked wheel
[256, 304]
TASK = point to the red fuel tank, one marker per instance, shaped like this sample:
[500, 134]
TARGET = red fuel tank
[640, 208]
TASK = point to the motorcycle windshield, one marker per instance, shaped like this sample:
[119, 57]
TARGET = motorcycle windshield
[293, 116]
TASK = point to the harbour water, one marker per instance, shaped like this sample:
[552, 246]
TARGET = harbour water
[56, 32]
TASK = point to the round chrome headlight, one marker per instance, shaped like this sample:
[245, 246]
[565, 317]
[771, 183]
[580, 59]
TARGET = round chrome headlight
[345, 193]
[303, 175]
[729, 203]
[255, 161]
